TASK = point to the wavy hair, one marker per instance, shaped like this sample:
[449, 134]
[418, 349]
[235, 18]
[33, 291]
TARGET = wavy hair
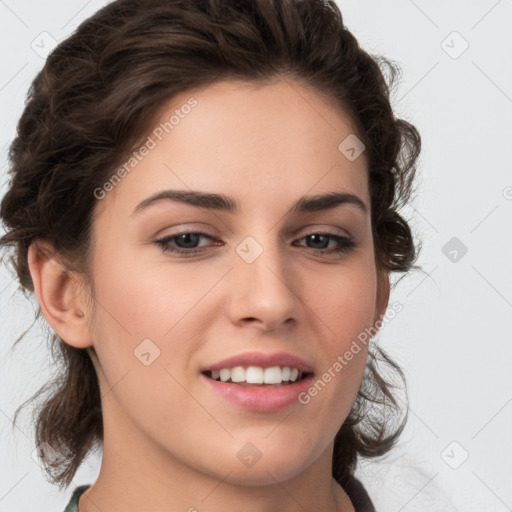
[96, 97]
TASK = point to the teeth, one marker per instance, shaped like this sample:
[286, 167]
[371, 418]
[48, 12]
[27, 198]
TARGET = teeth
[238, 374]
[254, 375]
[257, 375]
[272, 375]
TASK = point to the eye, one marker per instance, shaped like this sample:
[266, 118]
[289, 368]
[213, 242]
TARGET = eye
[185, 244]
[343, 243]
[185, 241]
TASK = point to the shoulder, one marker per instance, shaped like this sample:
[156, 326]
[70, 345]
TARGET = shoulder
[72, 506]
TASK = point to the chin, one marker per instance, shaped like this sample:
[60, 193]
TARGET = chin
[265, 474]
[267, 465]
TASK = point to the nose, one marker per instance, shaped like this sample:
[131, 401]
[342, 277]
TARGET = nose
[264, 291]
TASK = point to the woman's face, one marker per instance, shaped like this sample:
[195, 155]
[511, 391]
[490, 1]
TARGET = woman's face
[261, 285]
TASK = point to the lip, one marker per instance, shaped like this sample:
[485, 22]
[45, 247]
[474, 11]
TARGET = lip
[263, 360]
[260, 398]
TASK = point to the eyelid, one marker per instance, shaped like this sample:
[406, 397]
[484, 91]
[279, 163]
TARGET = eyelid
[185, 228]
[312, 229]
[302, 231]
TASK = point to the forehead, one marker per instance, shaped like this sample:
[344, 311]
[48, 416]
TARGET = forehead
[269, 141]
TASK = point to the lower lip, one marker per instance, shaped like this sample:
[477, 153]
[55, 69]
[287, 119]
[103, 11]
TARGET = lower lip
[259, 398]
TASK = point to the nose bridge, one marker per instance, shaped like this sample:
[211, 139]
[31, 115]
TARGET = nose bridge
[263, 282]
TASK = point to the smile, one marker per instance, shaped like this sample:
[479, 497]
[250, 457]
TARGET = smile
[256, 375]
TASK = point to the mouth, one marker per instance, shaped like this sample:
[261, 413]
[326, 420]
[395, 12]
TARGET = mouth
[257, 376]
[260, 382]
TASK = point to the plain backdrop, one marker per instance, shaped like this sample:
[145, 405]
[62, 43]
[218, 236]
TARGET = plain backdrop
[453, 335]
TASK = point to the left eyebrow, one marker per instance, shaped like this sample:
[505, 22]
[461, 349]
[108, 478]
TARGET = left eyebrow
[221, 202]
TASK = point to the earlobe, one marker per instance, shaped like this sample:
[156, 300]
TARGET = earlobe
[60, 295]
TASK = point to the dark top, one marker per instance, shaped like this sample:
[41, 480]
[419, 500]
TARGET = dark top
[354, 489]
[72, 506]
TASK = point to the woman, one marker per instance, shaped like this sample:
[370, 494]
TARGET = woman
[204, 200]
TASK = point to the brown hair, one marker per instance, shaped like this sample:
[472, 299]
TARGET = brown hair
[96, 97]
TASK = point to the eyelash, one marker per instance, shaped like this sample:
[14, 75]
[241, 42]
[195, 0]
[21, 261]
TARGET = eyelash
[346, 244]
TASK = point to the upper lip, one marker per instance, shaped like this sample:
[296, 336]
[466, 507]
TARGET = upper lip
[281, 359]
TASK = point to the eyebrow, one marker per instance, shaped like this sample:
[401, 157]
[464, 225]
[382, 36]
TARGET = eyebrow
[221, 202]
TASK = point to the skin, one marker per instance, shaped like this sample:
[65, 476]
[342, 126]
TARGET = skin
[170, 442]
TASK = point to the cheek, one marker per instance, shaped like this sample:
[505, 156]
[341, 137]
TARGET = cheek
[344, 310]
[344, 303]
[147, 300]
[138, 311]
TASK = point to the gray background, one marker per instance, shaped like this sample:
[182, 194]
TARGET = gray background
[452, 336]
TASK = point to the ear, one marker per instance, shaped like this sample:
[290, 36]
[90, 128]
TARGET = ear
[61, 295]
[383, 290]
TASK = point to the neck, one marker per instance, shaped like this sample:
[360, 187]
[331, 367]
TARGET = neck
[138, 475]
